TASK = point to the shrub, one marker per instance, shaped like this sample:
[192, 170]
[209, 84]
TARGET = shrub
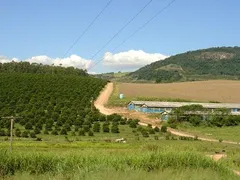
[220, 140]
[145, 133]
[54, 132]
[156, 129]
[28, 126]
[33, 135]
[164, 129]
[73, 133]
[90, 133]
[86, 128]
[114, 129]
[96, 127]
[25, 134]
[105, 128]
[37, 130]
[63, 131]
[2, 132]
[151, 130]
[132, 124]
[45, 132]
[18, 133]
[81, 132]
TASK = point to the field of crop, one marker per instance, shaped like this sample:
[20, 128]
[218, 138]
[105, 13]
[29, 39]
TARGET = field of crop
[205, 91]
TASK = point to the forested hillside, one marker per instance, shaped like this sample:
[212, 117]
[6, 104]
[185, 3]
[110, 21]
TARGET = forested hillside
[47, 100]
[41, 96]
[212, 63]
[26, 67]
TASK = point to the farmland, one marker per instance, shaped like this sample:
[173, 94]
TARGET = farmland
[204, 91]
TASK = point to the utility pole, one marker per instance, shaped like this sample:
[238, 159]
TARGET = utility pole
[11, 130]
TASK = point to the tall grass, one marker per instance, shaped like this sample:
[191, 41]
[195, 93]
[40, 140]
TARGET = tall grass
[95, 161]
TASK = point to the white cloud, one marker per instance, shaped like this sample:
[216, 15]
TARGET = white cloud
[73, 60]
[131, 59]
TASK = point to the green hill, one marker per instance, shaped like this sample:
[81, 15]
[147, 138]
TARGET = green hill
[212, 63]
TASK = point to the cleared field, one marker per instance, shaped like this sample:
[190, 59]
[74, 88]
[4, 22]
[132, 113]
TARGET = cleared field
[204, 91]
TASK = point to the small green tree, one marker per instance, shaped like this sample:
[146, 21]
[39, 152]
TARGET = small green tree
[18, 132]
[114, 128]
[105, 128]
[25, 134]
[164, 129]
[96, 127]
[37, 130]
[156, 129]
[54, 132]
[32, 134]
[81, 132]
[63, 131]
[90, 133]
[132, 124]
[28, 126]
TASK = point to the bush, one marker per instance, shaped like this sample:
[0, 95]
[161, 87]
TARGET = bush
[2, 132]
[145, 133]
[105, 128]
[28, 126]
[151, 130]
[37, 130]
[156, 129]
[54, 132]
[96, 127]
[18, 133]
[45, 132]
[90, 133]
[33, 135]
[114, 129]
[25, 134]
[63, 131]
[81, 132]
[132, 124]
[73, 133]
[164, 129]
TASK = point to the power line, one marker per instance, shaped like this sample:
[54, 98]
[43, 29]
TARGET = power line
[88, 27]
[137, 30]
[120, 30]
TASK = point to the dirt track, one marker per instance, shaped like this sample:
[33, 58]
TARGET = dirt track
[103, 99]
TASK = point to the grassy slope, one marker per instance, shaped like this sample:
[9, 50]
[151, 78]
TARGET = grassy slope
[224, 133]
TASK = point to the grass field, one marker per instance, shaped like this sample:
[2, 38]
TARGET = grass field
[224, 133]
[166, 159]
[204, 91]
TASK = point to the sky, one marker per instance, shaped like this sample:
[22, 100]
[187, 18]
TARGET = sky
[43, 31]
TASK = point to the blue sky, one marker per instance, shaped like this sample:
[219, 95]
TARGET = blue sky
[44, 30]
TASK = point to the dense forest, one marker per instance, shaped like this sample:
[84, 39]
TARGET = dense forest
[26, 67]
[212, 63]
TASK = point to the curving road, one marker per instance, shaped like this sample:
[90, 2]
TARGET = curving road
[144, 120]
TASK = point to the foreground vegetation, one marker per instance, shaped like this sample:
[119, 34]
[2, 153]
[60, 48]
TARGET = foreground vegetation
[88, 160]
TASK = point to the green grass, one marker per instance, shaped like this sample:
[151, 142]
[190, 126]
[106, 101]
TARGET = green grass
[109, 174]
[224, 133]
[94, 163]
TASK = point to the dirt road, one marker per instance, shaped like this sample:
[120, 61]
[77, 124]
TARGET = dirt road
[145, 120]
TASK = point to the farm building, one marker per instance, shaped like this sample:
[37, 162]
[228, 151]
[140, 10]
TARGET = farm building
[161, 107]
